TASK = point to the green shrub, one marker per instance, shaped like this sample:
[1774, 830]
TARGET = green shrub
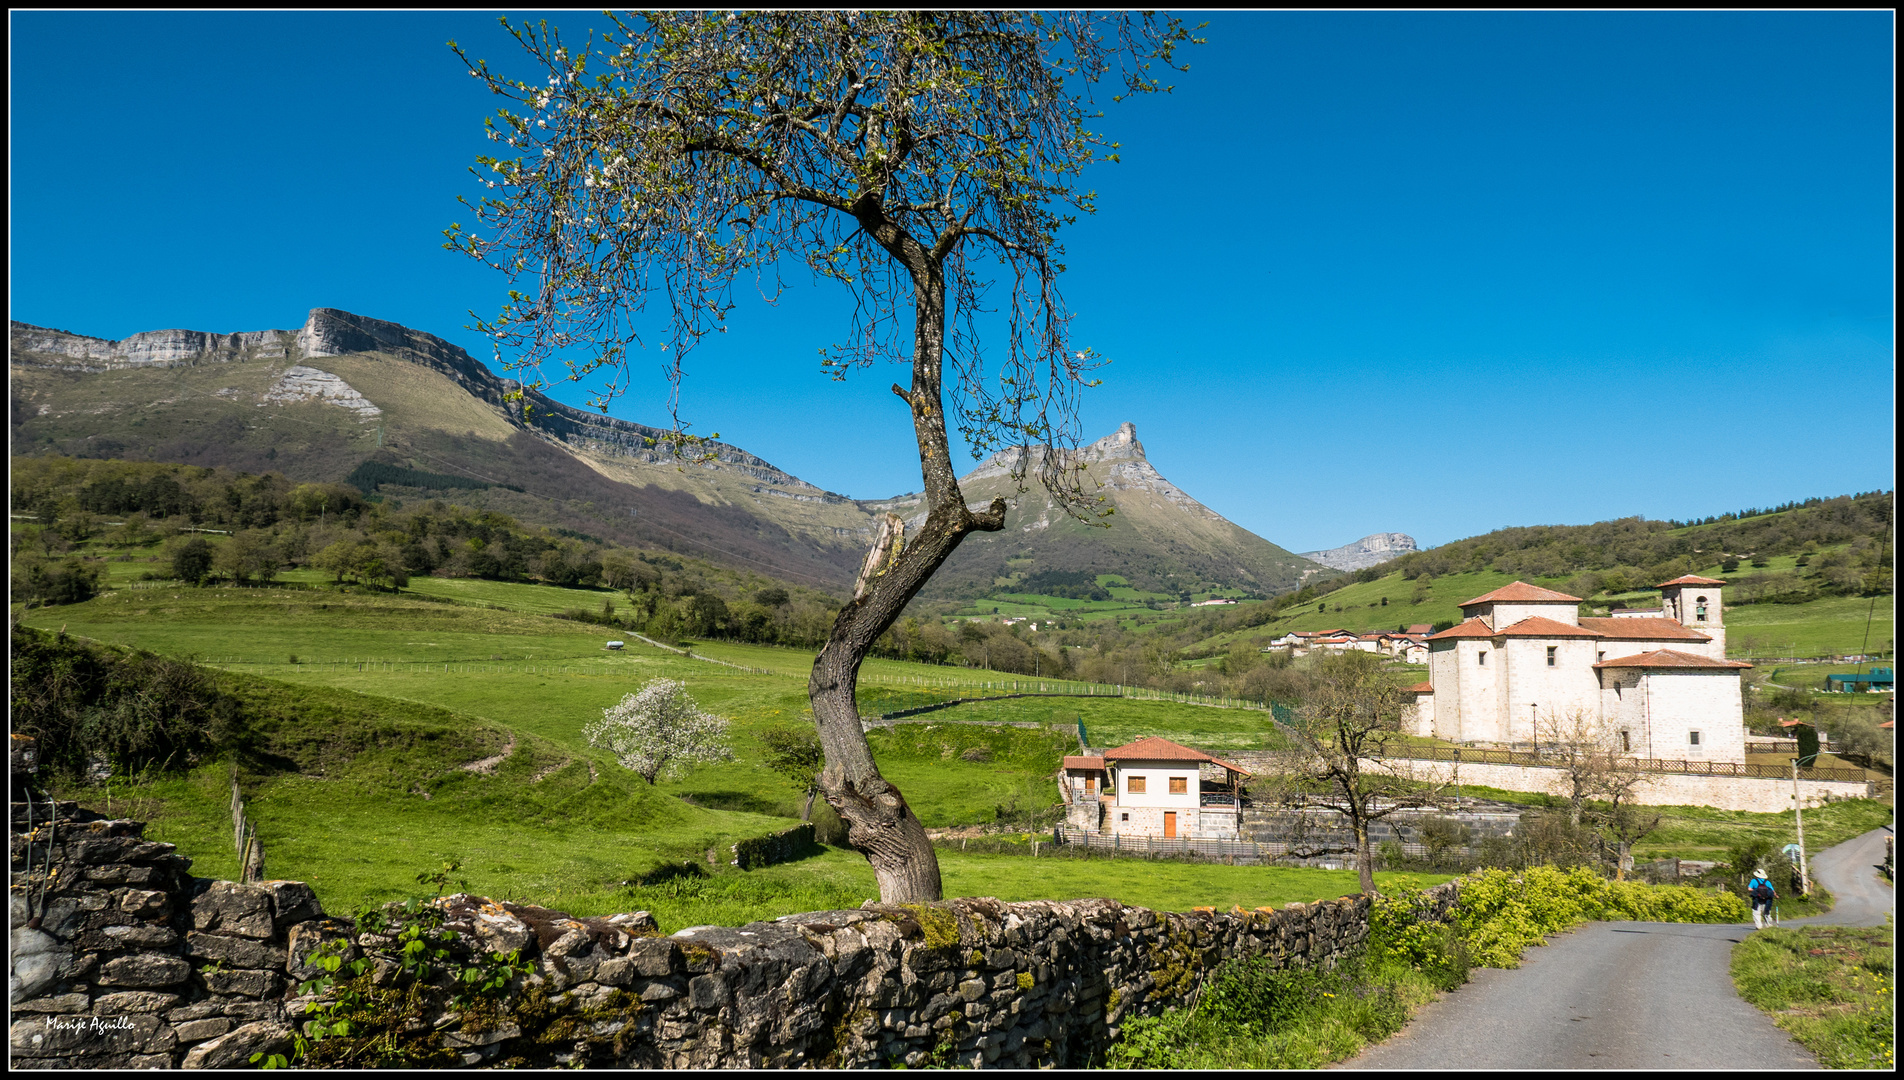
[1254, 1016]
[1502, 913]
[139, 710]
[1402, 928]
[43, 583]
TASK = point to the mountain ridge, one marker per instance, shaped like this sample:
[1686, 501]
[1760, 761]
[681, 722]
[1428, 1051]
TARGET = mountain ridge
[344, 389]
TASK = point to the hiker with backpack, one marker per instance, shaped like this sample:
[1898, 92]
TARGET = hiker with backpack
[1761, 891]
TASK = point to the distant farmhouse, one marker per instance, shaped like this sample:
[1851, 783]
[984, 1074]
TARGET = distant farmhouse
[1153, 788]
[1656, 679]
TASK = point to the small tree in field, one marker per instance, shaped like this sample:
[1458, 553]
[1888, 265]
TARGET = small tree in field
[795, 754]
[1350, 756]
[657, 730]
[1586, 750]
[915, 158]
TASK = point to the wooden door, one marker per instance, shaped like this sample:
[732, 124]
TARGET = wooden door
[1170, 825]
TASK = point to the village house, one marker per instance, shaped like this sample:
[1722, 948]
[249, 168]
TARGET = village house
[1153, 788]
[1657, 683]
[1408, 648]
[1302, 638]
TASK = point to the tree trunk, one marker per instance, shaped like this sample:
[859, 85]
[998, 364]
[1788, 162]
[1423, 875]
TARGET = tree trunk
[879, 823]
[1364, 858]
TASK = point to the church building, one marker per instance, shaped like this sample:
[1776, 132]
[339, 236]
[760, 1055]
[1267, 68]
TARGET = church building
[1657, 680]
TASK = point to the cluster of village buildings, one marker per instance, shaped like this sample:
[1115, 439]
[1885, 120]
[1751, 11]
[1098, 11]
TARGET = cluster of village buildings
[1409, 646]
[1650, 682]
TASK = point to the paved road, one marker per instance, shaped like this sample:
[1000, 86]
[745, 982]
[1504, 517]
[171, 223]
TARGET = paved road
[1627, 995]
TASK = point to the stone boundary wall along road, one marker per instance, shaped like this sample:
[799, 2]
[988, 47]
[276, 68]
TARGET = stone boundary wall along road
[121, 959]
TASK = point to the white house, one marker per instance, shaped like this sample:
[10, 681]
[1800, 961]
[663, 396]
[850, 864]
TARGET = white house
[1659, 684]
[1153, 787]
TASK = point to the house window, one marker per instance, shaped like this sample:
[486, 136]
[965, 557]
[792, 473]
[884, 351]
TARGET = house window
[1700, 611]
[1692, 739]
[1125, 817]
[1551, 650]
[1602, 655]
[1626, 742]
[1179, 785]
[1135, 785]
[1481, 658]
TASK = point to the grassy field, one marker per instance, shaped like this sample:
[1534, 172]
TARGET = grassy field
[559, 822]
[1812, 676]
[1834, 626]
[1833, 987]
[1704, 834]
[360, 778]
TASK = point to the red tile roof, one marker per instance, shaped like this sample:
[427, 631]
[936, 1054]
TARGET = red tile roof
[1539, 626]
[1420, 688]
[1421, 628]
[1689, 579]
[1156, 749]
[1522, 592]
[1474, 627]
[1076, 761]
[1643, 629]
[1670, 658]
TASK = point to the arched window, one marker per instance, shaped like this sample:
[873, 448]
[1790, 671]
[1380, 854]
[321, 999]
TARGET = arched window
[1700, 610]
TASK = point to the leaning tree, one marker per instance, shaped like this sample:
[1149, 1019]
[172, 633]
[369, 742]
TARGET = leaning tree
[917, 158]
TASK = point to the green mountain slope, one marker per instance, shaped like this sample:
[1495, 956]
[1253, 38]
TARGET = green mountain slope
[1159, 537]
[319, 402]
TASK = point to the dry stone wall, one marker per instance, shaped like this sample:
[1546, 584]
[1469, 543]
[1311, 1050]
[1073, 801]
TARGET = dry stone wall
[120, 959]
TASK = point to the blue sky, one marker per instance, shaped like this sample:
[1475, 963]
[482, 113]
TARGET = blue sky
[1435, 273]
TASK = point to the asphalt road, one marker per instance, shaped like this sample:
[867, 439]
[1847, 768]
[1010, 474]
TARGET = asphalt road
[1627, 995]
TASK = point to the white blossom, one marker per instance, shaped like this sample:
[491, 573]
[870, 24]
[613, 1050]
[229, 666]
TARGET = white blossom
[656, 730]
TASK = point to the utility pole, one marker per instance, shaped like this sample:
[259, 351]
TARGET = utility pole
[1798, 815]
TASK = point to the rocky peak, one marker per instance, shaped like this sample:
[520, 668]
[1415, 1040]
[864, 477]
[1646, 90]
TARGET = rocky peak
[1371, 550]
[330, 332]
[1121, 444]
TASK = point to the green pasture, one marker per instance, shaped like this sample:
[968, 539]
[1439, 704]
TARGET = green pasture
[1833, 626]
[357, 781]
[231, 625]
[1703, 833]
[1812, 676]
[1110, 722]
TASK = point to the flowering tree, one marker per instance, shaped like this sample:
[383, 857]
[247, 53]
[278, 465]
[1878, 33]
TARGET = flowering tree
[913, 157]
[657, 730]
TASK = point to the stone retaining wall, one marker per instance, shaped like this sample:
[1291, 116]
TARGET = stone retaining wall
[1758, 794]
[121, 959]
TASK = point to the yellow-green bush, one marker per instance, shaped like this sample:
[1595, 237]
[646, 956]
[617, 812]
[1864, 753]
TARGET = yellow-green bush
[1502, 912]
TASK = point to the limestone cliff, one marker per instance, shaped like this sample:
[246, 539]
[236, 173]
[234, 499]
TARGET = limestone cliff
[1371, 550]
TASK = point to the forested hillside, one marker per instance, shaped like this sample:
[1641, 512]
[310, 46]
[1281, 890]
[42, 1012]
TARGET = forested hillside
[199, 525]
[1634, 553]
